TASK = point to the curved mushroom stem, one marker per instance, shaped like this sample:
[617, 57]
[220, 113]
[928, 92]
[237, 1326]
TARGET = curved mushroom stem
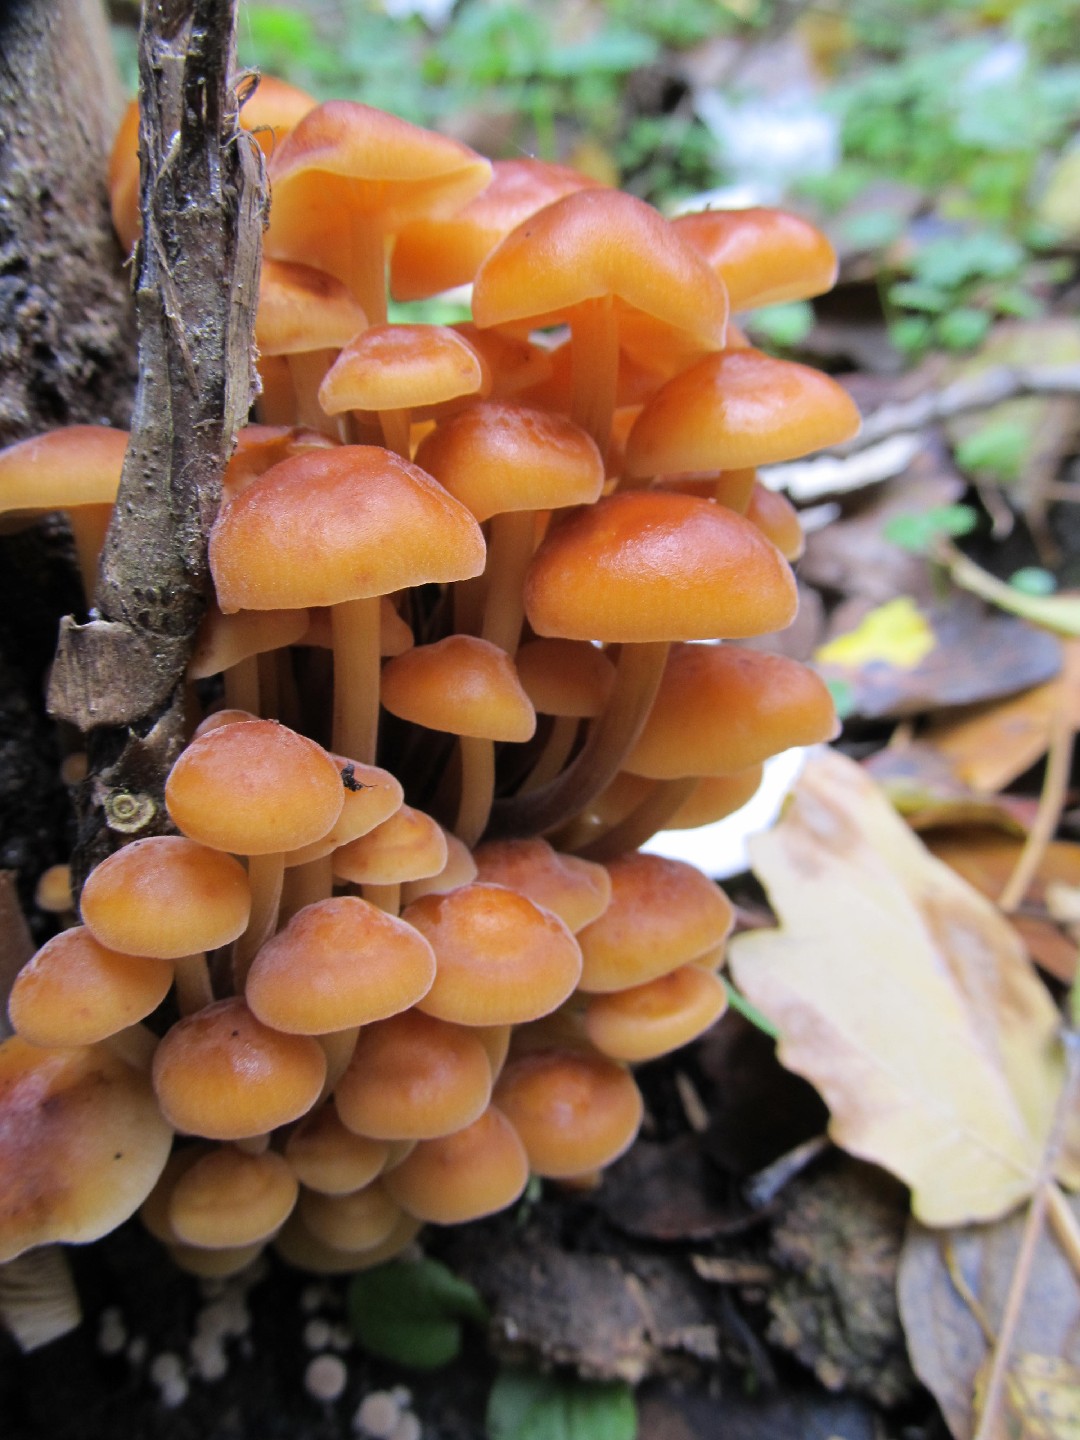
[366, 249]
[338, 1047]
[265, 876]
[88, 526]
[396, 432]
[510, 549]
[242, 685]
[192, 982]
[554, 755]
[477, 788]
[355, 627]
[384, 897]
[304, 884]
[594, 367]
[643, 822]
[610, 739]
[307, 370]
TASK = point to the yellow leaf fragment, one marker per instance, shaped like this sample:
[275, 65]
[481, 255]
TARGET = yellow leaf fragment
[904, 997]
[896, 634]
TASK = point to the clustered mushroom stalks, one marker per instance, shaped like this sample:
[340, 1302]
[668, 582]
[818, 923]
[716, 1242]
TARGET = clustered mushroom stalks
[475, 589]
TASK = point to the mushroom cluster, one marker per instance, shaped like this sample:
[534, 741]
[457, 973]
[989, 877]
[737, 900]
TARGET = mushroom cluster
[469, 648]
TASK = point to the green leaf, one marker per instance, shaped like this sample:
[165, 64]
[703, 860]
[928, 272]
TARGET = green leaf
[918, 531]
[525, 1405]
[995, 451]
[783, 325]
[1033, 580]
[411, 1312]
[737, 1000]
[963, 328]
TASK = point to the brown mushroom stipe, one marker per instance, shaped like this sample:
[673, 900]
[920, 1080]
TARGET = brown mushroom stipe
[82, 1144]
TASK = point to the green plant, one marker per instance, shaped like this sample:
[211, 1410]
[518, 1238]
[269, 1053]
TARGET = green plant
[413, 1312]
[525, 1405]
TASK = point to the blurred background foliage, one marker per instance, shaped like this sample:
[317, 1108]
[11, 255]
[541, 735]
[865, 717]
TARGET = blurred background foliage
[938, 143]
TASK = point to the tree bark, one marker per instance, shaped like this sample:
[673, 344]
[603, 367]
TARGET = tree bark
[66, 357]
[120, 677]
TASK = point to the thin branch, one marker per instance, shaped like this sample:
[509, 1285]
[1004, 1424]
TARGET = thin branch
[196, 278]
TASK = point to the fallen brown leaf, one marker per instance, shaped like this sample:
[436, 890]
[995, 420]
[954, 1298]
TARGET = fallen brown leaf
[904, 997]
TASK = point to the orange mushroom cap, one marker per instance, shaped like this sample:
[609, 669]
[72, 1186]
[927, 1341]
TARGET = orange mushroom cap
[337, 524]
[228, 1198]
[462, 685]
[402, 367]
[736, 409]
[166, 897]
[75, 991]
[500, 959]
[413, 1077]
[223, 1074]
[338, 963]
[575, 1112]
[651, 565]
[301, 308]
[663, 913]
[478, 1170]
[657, 1017]
[722, 708]
[408, 846]
[328, 1157]
[434, 255]
[764, 256]
[255, 788]
[576, 890]
[82, 1144]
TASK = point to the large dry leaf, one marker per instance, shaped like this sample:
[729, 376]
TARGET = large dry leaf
[903, 996]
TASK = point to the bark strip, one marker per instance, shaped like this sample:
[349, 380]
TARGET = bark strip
[120, 677]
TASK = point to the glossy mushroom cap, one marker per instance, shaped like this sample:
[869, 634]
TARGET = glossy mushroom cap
[256, 788]
[82, 1143]
[649, 565]
[338, 963]
[228, 1198]
[663, 913]
[376, 523]
[655, 1018]
[402, 367]
[576, 890]
[476, 1171]
[75, 991]
[575, 1112]
[736, 409]
[166, 896]
[764, 256]
[326, 1156]
[223, 1074]
[462, 685]
[500, 959]
[723, 708]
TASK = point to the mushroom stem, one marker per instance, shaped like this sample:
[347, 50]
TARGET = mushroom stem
[367, 265]
[88, 526]
[477, 788]
[554, 755]
[304, 884]
[338, 1047]
[307, 370]
[610, 738]
[396, 431]
[385, 897]
[265, 876]
[643, 822]
[193, 988]
[594, 367]
[242, 685]
[509, 551]
[355, 627]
